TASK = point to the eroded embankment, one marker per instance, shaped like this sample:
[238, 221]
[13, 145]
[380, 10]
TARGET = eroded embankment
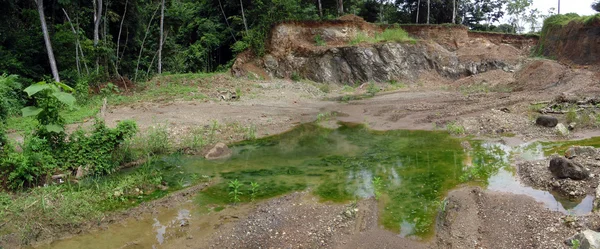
[340, 52]
[576, 41]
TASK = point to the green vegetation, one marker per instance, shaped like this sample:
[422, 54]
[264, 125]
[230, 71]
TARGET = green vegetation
[235, 193]
[372, 89]
[555, 22]
[406, 170]
[377, 186]
[319, 41]
[388, 35]
[483, 88]
[455, 128]
[253, 190]
[575, 244]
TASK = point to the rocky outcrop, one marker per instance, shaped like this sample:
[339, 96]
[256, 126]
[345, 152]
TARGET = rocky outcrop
[447, 51]
[380, 62]
[564, 168]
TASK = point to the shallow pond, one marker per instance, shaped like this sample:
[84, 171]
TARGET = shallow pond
[410, 172]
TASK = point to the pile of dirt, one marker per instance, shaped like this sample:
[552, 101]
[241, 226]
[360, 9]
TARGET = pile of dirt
[575, 42]
[539, 75]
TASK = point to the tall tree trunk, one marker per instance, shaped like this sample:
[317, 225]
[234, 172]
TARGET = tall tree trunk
[418, 7]
[40, 6]
[137, 66]
[428, 9]
[119, 36]
[381, 12]
[160, 46]
[244, 17]
[77, 44]
[227, 21]
[559, 7]
[97, 18]
[453, 11]
[340, 7]
[320, 8]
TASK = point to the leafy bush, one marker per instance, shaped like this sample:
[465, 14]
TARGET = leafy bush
[388, 35]
[97, 150]
[11, 100]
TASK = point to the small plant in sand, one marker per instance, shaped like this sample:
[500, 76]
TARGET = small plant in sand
[234, 191]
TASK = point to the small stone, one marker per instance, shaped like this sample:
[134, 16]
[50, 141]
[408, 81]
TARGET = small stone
[562, 130]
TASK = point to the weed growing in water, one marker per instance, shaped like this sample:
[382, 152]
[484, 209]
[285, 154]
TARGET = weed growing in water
[253, 190]
[377, 186]
[234, 191]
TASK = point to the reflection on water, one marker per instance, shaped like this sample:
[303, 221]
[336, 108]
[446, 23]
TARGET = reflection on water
[504, 181]
[416, 168]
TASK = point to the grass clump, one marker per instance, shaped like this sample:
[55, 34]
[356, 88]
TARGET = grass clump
[319, 41]
[455, 128]
[388, 35]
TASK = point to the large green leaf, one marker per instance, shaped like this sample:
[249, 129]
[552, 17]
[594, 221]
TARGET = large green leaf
[64, 86]
[31, 111]
[35, 88]
[54, 128]
[65, 98]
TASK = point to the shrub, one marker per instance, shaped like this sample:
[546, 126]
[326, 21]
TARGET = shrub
[98, 149]
[319, 41]
[11, 100]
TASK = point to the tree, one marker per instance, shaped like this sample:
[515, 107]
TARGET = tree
[532, 19]
[428, 10]
[97, 19]
[517, 9]
[320, 8]
[596, 6]
[453, 11]
[53, 67]
[160, 46]
[340, 7]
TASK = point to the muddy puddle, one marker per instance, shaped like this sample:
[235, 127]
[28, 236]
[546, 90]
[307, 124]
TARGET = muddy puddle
[409, 171]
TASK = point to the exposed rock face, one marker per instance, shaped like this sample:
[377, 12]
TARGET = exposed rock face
[379, 62]
[565, 168]
[447, 51]
[547, 121]
[219, 151]
[588, 239]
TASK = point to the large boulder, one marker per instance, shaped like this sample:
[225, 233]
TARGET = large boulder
[547, 121]
[564, 168]
[588, 239]
[218, 151]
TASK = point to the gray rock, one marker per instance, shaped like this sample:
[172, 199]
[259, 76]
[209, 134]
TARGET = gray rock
[580, 151]
[377, 62]
[588, 239]
[547, 121]
[564, 168]
[219, 151]
[562, 130]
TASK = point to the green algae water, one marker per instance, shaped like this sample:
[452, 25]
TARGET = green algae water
[414, 170]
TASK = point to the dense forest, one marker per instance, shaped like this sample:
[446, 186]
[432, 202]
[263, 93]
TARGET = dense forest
[99, 40]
